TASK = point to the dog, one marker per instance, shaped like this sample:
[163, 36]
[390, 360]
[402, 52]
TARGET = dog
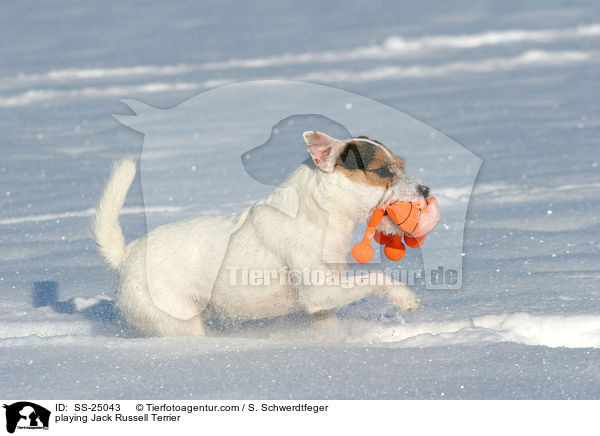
[174, 277]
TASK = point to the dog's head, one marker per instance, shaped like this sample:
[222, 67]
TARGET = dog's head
[360, 174]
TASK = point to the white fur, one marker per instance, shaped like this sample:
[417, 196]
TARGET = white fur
[179, 273]
[106, 222]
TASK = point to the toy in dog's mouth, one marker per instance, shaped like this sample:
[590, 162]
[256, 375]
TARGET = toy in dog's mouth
[414, 218]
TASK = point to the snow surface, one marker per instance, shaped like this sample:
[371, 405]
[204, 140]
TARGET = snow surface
[515, 83]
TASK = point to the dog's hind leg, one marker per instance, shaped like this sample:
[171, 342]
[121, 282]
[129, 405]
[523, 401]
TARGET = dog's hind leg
[155, 322]
[136, 306]
[189, 327]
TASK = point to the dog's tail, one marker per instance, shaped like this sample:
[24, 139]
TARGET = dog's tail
[105, 224]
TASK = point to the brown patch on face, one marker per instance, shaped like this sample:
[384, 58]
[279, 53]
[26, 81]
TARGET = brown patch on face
[369, 162]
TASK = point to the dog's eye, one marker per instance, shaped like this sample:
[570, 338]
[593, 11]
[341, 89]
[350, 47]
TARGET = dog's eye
[383, 172]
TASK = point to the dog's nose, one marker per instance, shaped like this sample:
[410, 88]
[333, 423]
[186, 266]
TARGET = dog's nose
[423, 190]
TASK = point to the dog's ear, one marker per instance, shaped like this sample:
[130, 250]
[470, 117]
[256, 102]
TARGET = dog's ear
[323, 149]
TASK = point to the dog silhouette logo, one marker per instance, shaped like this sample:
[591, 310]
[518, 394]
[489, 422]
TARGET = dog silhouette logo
[258, 149]
[26, 415]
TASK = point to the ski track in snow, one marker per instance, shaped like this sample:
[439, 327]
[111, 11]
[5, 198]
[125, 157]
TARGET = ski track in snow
[528, 59]
[86, 214]
[393, 46]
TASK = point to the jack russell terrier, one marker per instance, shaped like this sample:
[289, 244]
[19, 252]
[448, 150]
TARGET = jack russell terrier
[179, 274]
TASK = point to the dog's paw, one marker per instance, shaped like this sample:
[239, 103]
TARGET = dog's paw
[404, 299]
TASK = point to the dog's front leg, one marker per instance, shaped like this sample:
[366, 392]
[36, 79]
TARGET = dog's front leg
[398, 293]
[317, 297]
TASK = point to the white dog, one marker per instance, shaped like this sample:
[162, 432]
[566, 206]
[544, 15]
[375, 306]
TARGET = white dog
[178, 274]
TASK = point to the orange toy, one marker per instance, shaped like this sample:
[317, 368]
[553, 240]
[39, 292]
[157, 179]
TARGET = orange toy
[415, 218]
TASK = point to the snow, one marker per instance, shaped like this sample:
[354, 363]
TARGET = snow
[515, 84]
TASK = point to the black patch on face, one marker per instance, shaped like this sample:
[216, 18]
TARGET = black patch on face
[354, 157]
